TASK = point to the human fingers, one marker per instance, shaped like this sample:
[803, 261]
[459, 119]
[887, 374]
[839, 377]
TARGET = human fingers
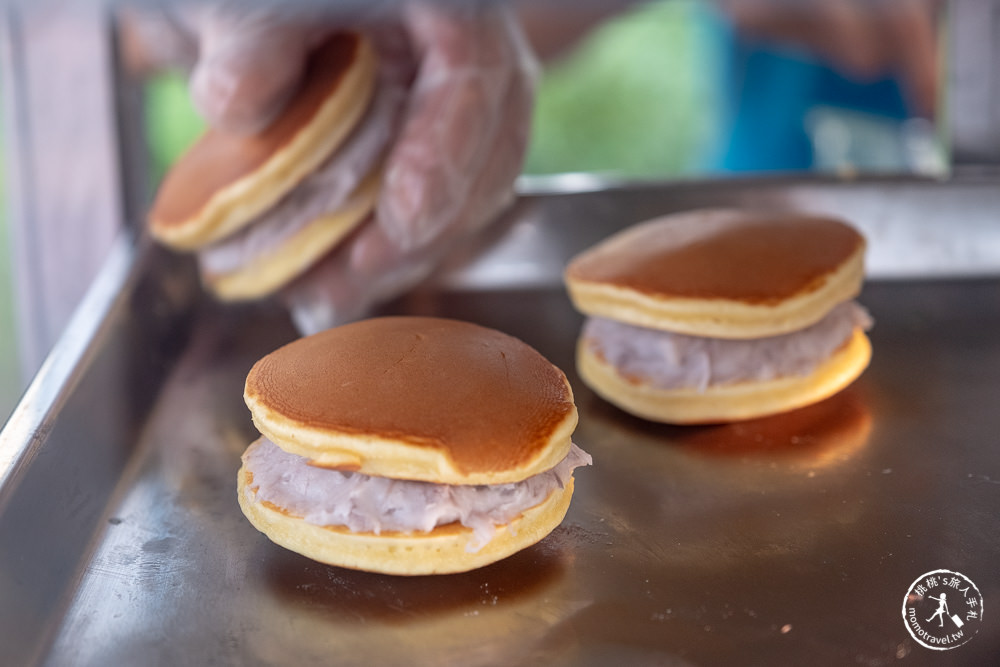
[334, 292]
[910, 36]
[371, 267]
[490, 190]
[249, 62]
[468, 57]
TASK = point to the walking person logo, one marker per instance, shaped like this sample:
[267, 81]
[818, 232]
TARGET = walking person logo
[928, 600]
[942, 609]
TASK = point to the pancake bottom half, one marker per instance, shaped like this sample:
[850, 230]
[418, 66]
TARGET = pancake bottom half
[440, 551]
[297, 254]
[719, 317]
[730, 402]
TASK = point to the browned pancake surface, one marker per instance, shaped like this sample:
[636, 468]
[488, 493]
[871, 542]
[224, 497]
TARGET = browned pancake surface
[219, 159]
[755, 258]
[488, 400]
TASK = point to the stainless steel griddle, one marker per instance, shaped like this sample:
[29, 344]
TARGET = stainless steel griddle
[789, 541]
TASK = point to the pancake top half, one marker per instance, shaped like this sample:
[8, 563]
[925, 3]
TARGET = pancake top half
[721, 273]
[415, 398]
[225, 180]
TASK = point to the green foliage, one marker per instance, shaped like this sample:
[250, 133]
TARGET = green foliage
[172, 124]
[640, 97]
[10, 377]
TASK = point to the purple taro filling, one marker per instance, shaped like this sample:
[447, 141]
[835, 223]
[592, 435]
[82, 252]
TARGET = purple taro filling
[368, 504]
[678, 361]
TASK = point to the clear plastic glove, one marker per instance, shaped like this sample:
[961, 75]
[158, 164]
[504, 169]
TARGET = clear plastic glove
[469, 76]
[450, 172]
[250, 61]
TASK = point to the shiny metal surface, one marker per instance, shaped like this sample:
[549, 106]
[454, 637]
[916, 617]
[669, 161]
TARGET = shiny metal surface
[790, 540]
[65, 446]
[915, 228]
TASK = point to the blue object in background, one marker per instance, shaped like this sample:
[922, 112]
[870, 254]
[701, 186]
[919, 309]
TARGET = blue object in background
[771, 95]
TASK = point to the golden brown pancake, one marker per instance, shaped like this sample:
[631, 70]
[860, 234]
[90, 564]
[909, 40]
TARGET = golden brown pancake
[225, 180]
[415, 398]
[408, 398]
[293, 256]
[728, 402]
[721, 273]
[440, 551]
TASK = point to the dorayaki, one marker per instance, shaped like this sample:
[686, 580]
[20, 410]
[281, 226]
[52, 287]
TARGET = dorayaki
[408, 445]
[720, 315]
[252, 206]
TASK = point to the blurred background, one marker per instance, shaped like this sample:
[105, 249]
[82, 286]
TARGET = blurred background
[671, 89]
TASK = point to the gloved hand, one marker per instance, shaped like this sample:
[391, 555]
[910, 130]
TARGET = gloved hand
[864, 38]
[469, 76]
[452, 169]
